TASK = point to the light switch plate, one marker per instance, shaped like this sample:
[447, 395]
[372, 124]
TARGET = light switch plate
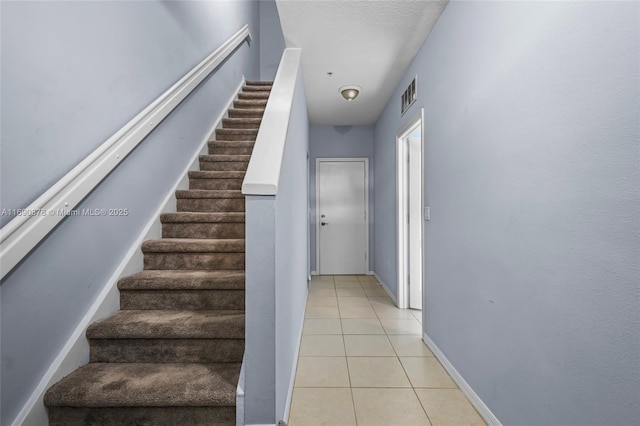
[427, 213]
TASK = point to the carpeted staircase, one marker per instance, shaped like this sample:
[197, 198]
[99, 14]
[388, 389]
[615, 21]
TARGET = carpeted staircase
[172, 354]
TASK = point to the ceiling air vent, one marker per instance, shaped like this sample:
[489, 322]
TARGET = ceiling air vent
[408, 97]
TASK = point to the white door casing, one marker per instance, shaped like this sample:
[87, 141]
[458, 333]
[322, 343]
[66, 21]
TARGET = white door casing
[410, 209]
[342, 215]
[414, 229]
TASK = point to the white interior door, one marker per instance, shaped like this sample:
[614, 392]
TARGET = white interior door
[415, 221]
[341, 213]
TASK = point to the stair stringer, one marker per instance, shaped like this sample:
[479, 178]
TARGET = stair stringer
[75, 352]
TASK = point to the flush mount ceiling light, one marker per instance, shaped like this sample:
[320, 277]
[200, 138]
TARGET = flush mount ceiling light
[350, 92]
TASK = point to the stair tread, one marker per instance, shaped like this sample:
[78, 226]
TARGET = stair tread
[259, 83]
[225, 157]
[231, 144]
[147, 385]
[237, 131]
[247, 120]
[192, 245]
[169, 324]
[202, 217]
[209, 174]
[246, 88]
[183, 280]
[209, 193]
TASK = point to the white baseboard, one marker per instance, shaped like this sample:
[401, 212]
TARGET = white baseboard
[75, 352]
[371, 273]
[314, 273]
[389, 293]
[473, 397]
[287, 407]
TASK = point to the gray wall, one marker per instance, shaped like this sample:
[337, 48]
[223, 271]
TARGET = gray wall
[291, 246]
[337, 142]
[276, 283]
[271, 40]
[72, 74]
[533, 177]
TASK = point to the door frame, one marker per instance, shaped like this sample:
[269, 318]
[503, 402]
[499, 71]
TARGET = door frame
[403, 287]
[365, 160]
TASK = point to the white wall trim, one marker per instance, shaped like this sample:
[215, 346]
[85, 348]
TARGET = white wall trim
[287, 407]
[473, 397]
[403, 288]
[384, 286]
[365, 160]
[314, 273]
[263, 173]
[76, 350]
[23, 233]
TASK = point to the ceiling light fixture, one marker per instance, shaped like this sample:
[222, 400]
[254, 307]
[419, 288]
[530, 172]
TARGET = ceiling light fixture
[350, 92]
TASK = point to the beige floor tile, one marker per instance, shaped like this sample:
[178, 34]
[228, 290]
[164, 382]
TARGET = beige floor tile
[375, 291]
[322, 312]
[321, 284]
[348, 284]
[323, 292]
[322, 407]
[448, 407]
[345, 278]
[357, 312]
[379, 300]
[322, 372]
[322, 326]
[417, 314]
[401, 326]
[350, 292]
[367, 279]
[370, 284]
[322, 301]
[377, 372]
[386, 311]
[322, 345]
[328, 278]
[409, 345]
[388, 407]
[426, 372]
[368, 345]
[353, 301]
[361, 326]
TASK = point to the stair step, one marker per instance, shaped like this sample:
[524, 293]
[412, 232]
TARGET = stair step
[202, 200]
[241, 123]
[236, 134]
[254, 95]
[250, 103]
[230, 147]
[188, 290]
[145, 393]
[202, 225]
[259, 83]
[168, 336]
[163, 324]
[196, 217]
[192, 254]
[216, 180]
[246, 88]
[246, 112]
[183, 280]
[224, 162]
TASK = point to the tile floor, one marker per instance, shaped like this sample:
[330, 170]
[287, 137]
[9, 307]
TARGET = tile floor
[362, 362]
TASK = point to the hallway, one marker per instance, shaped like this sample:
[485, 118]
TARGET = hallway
[362, 362]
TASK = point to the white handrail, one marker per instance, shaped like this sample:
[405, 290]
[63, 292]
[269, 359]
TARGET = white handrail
[23, 233]
[263, 172]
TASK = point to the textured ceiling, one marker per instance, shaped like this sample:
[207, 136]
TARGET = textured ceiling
[366, 43]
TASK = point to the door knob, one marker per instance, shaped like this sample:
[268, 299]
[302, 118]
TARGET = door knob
[324, 223]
